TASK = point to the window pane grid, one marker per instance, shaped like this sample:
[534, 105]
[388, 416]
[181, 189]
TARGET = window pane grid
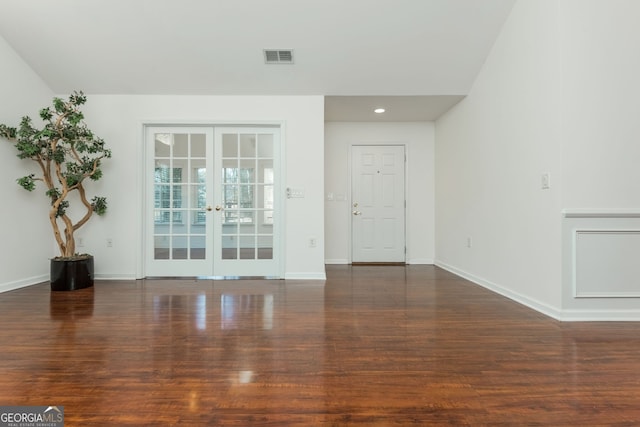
[247, 195]
[179, 196]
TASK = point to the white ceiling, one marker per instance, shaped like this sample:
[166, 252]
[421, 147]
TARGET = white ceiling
[418, 56]
[397, 108]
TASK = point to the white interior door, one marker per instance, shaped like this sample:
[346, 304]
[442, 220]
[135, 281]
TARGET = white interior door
[212, 205]
[247, 223]
[178, 226]
[378, 203]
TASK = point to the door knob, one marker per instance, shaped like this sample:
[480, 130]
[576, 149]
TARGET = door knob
[209, 208]
[218, 208]
[356, 213]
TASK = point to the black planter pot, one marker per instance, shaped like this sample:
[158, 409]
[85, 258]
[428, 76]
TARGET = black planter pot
[71, 274]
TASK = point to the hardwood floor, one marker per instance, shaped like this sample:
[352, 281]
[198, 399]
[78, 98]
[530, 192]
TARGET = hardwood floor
[373, 346]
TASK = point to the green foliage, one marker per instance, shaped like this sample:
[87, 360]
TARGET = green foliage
[27, 182]
[99, 205]
[54, 194]
[62, 208]
[96, 175]
[59, 105]
[46, 114]
[67, 153]
[7, 132]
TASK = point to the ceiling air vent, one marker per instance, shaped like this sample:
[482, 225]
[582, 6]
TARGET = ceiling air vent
[278, 56]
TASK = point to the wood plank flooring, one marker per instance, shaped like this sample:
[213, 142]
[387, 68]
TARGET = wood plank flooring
[373, 346]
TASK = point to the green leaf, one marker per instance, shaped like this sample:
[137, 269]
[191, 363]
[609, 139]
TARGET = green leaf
[62, 208]
[75, 118]
[27, 182]
[59, 155]
[99, 205]
[78, 98]
[7, 132]
[46, 114]
[54, 194]
[96, 175]
[58, 105]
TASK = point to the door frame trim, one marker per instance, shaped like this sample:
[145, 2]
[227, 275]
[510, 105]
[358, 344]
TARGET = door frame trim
[406, 191]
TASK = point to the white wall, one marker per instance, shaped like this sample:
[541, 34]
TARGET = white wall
[119, 120]
[491, 150]
[419, 141]
[559, 93]
[26, 236]
[601, 108]
[601, 154]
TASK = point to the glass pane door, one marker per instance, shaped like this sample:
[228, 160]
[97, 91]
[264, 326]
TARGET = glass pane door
[246, 226]
[179, 231]
[212, 202]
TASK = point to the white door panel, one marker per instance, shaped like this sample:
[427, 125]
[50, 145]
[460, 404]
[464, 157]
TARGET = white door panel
[378, 204]
[177, 230]
[248, 224]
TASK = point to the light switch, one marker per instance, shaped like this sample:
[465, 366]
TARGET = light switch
[295, 193]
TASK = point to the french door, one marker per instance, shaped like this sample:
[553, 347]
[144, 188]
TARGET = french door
[212, 201]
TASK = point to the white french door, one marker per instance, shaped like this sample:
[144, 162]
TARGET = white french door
[212, 201]
[378, 203]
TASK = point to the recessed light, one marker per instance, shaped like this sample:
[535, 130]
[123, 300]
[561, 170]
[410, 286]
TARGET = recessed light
[379, 110]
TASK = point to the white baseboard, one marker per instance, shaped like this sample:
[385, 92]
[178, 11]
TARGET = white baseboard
[420, 261]
[567, 315]
[600, 316]
[521, 299]
[110, 276]
[305, 276]
[18, 284]
[415, 261]
[11, 286]
[336, 261]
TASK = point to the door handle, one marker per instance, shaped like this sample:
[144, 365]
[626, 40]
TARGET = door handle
[219, 208]
[356, 213]
[209, 208]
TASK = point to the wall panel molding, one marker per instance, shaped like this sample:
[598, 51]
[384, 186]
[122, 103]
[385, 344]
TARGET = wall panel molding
[600, 263]
[599, 213]
[605, 263]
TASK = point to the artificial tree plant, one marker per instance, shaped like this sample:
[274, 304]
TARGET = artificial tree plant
[68, 154]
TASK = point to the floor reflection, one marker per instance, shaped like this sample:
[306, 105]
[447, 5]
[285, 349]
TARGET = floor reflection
[237, 329]
[72, 305]
[248, 311]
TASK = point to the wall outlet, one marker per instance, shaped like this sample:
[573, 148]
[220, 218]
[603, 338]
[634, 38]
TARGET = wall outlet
[313, 242]
[79, 242]
[109, 242]
[545, 181]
